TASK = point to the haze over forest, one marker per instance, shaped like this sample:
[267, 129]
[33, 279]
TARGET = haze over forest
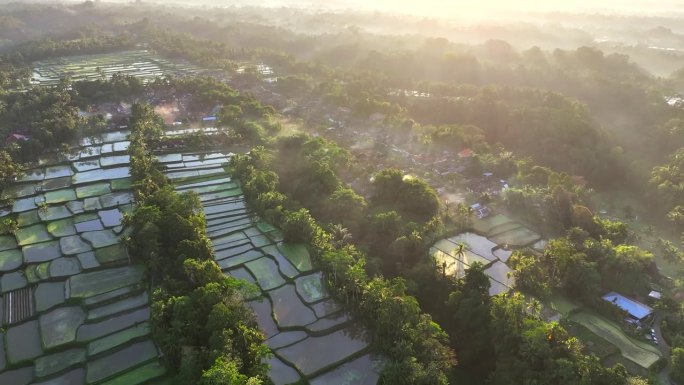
[340, 192]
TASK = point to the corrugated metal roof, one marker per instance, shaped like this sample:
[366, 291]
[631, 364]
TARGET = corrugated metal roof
[636, 309]
[17, 306]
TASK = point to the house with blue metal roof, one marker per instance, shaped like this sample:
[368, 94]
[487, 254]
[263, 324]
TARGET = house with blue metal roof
[637, 311]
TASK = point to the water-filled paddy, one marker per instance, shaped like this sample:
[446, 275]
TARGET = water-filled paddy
[480, 249]
[10, 260]
[314, 354]
[298, 316]
[83, 305]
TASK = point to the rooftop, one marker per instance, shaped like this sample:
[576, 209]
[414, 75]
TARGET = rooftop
[636, 309]
[467, 153]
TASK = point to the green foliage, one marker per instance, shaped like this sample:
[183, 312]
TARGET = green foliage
[119, 87]
[677, 357]
[668, 250]
[406, 194]
[145, 124]
[414, 344]
[309, 173]
[8, 226]
[519, 118]
[298, 226]
[529, 350]
[210, 322]
[676, 215]
[579, 265]
[207, 53]
[91, 42]
[200, 321]
[346, 206]
[456, 136]
[668, 180]
[47, 116]
[468, 307]
[224, 372]
[9, 169]
[146, 132]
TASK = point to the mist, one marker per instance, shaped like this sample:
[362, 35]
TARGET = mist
[471, 192]
[486, 9]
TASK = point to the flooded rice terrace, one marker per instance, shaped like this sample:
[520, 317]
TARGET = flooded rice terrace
[503, 235]
[310, 333]
[74, 311]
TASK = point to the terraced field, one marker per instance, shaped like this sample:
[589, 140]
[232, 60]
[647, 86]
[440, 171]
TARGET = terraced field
[505, 231]
[477, 249]
[138, 63]
[311, 335]
[73, 311]
[493, 250]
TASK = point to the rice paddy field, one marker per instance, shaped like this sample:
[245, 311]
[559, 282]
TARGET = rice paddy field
[503, 230]
[603, 337]
[311, 335]
[72, 309]
[138, 63]
[501, 236]
[476, 249]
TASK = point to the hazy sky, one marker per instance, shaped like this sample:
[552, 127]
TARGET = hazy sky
[453, 8]
[447, 8]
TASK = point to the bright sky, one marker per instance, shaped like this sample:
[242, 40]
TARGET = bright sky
[455, 7]
[467, 8]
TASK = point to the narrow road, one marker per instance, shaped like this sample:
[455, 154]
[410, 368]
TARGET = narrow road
[664, 374]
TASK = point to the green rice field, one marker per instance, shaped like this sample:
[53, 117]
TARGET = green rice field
[293, 307]
[72, 309]
[85, 313]
[139, 63]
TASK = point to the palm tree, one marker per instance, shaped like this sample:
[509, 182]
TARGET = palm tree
[459, 253]
[534, 307]
[340, 235]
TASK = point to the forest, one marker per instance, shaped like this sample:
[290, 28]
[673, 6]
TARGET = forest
[469, 193]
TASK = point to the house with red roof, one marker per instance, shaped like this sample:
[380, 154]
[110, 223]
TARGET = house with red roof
[466, 153]
[14, 138]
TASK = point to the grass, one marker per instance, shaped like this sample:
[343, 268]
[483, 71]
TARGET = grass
[593, 343]
[639, 352]
[631, 367]
[517, 237]
[562, 305]
[484, 225]
[510, 226]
